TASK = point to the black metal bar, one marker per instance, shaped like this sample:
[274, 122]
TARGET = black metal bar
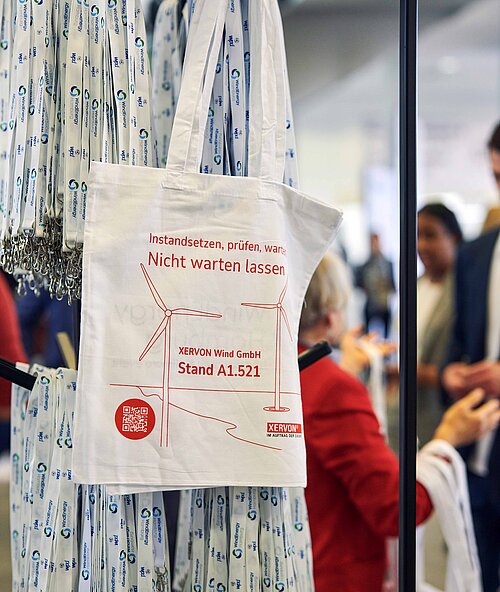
[76, 309]
[408, 303]
[9, 372]
[315, 353]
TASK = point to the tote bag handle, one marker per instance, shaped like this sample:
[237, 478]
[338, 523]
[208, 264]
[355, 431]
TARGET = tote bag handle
[267, 95]
[266, 142]
[198, 75]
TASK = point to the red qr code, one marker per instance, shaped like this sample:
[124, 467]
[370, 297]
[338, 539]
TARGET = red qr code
[135, 419]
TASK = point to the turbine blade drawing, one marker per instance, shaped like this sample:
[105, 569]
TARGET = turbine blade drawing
[154, 291]
[257, 305]
[285, 318]
[283, 292]
[189, 312]
[159, 330]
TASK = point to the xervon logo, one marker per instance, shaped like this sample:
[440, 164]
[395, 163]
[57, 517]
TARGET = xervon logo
[41, 468]
[44, 380]
[252, 514]
[166, 85]
[139, 42]
[45, 138]
[121, 95]
[74, 91]
[221, 587]
[3, 126]
[279, 586]
[113, 508]
[156, 512]
[197, 588]
[22, 91]
[47, 531]
[73, 184]
[19, 181]
[217, 159]
[238, 553]
[299, 526]
[199, 502]
[112, 3]
[84, 187]
[85, 574]
[35, 555]
[264, 494]
[247, 56]
[122, 555]
[4, 44]
[95, 104]
[145, 513]
[66, 533]
[218, 68]
[143, 134]
[131, 558]
[220, 500]
[235, 73]
[267, 582]
[94, 11]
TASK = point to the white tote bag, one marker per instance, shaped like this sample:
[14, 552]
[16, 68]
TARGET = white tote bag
[192, 291]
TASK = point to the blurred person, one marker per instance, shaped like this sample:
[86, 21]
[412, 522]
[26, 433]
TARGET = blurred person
[474, 361]
[376, 279]
[41, 318]
[353, 476]
[494, 153]
[438, 238]
[11, 349]
[492, 219]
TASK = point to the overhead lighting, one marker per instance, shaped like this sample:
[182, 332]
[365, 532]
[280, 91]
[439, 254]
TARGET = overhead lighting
[448, 65]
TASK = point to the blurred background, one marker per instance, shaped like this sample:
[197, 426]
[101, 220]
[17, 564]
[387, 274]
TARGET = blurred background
[343, 67]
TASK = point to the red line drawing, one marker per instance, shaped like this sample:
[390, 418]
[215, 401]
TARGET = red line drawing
[143, 387]
[280, 315]
[232, 425]
[165, 329]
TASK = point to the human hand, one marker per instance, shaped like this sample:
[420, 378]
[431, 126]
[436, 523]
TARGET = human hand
[464, 422]
[485, 375]
[354, 357]
[454, 379]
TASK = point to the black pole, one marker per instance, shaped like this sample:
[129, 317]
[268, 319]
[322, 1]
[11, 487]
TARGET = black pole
[408, 289]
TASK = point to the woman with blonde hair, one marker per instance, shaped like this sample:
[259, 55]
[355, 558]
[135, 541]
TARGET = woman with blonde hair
[352, 492]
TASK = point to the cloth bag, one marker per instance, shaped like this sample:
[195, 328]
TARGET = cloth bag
[192, 291]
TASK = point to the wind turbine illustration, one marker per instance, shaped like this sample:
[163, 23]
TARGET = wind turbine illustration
[280, 316]
[165, 329]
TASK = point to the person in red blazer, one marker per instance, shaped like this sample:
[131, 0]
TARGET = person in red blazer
[11, 347]
[352, 492]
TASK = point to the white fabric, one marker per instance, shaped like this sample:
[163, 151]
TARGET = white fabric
[478, 464]
[376, 386]
[244, 411]
[428, 296]
[441, 471]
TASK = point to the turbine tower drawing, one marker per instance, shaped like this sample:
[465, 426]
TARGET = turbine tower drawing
[280, 316]
[165, 329]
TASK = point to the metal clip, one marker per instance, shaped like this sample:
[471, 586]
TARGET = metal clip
[161, 579]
